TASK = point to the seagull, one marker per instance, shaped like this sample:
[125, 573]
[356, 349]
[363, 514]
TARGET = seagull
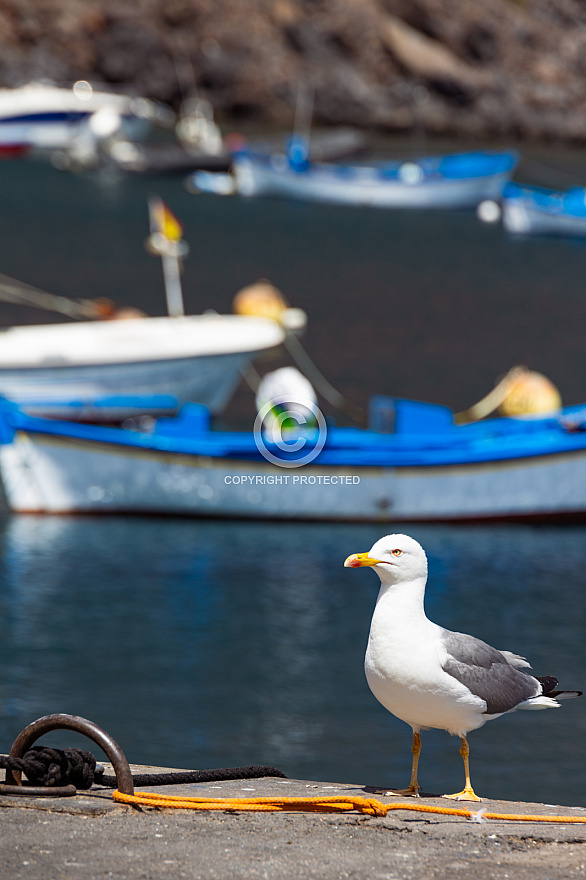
[430, 677]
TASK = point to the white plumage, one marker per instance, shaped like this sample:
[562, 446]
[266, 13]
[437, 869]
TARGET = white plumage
[428, 676]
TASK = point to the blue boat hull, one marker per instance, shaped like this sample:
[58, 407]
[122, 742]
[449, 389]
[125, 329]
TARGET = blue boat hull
[536, 211]
[506, 469]
[436, 182]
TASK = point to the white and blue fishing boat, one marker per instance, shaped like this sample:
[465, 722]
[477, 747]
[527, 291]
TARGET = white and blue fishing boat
[413, 464]
[452, 181]
[531, 210]
[50, 117]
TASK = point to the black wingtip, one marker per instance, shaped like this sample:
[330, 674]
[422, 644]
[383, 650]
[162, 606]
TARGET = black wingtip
[549, 684]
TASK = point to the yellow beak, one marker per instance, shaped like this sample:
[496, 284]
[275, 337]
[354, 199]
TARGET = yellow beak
[359, 559]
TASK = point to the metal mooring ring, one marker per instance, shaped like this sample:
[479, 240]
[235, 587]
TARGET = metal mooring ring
[43, 725]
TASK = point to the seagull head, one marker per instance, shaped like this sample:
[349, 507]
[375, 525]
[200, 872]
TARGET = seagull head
[395, 558]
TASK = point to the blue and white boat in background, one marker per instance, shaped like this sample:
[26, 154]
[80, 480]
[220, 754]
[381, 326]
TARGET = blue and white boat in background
[531, 210]
[452, 181]
[425, 469]
[50, 117]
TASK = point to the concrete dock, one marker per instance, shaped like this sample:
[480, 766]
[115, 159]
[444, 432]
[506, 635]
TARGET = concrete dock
[90, 836]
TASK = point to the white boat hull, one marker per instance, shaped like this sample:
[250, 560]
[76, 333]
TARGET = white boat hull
[51, 117]
[253, 179]
[195, 358]
[59, 134]
[522, 218]
[52, 474]
[208, 380]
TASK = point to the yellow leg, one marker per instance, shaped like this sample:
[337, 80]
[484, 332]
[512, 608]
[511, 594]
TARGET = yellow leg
[467, 794]
[413, 787]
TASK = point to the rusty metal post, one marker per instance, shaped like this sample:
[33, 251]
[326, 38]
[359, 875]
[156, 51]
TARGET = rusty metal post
[43, 725]
[38, 790]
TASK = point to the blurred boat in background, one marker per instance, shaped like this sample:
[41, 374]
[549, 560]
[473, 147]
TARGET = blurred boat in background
[198, 144]
[531, 210]
[413, 464]
[193, 358]
[453, 181]
[51, 117]
[324, 146]
[65, 368]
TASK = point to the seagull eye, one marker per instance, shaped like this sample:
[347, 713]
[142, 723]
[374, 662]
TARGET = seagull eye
[397, 552]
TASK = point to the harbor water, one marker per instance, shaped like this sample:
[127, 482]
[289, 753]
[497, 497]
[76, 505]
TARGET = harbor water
[212, 644]
[207, 644]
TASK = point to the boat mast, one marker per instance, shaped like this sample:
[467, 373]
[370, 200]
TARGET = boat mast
[303, 112]
[298, 146]
[173, 290]
[165, 241]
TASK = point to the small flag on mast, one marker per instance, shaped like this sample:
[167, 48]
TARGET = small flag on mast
[165, 241]
[163, 221]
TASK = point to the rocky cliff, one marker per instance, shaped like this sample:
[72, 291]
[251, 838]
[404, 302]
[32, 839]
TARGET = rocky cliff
[507, 68]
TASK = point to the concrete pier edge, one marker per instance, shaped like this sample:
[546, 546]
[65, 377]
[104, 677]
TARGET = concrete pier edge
[89, 835]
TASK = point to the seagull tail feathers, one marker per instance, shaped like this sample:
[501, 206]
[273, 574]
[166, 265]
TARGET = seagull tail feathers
[538, 703]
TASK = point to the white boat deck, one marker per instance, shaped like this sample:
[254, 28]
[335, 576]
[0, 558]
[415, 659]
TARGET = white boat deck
[135, 340]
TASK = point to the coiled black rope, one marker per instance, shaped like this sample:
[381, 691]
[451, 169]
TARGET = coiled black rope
[44, 766]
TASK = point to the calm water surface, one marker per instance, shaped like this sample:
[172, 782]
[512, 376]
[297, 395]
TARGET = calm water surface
[200, 644]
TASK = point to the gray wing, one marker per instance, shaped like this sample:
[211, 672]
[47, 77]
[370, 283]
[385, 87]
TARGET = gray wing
[486, 672]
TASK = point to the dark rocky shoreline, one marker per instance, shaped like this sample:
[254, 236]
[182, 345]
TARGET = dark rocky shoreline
[509, 68]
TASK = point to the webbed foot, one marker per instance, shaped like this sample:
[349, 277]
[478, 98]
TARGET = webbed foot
[467, 794]
[410, 791]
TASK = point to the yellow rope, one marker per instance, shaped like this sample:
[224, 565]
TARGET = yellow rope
[336, 804]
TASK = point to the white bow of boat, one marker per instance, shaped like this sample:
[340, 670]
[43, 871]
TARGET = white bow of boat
[193, 358]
